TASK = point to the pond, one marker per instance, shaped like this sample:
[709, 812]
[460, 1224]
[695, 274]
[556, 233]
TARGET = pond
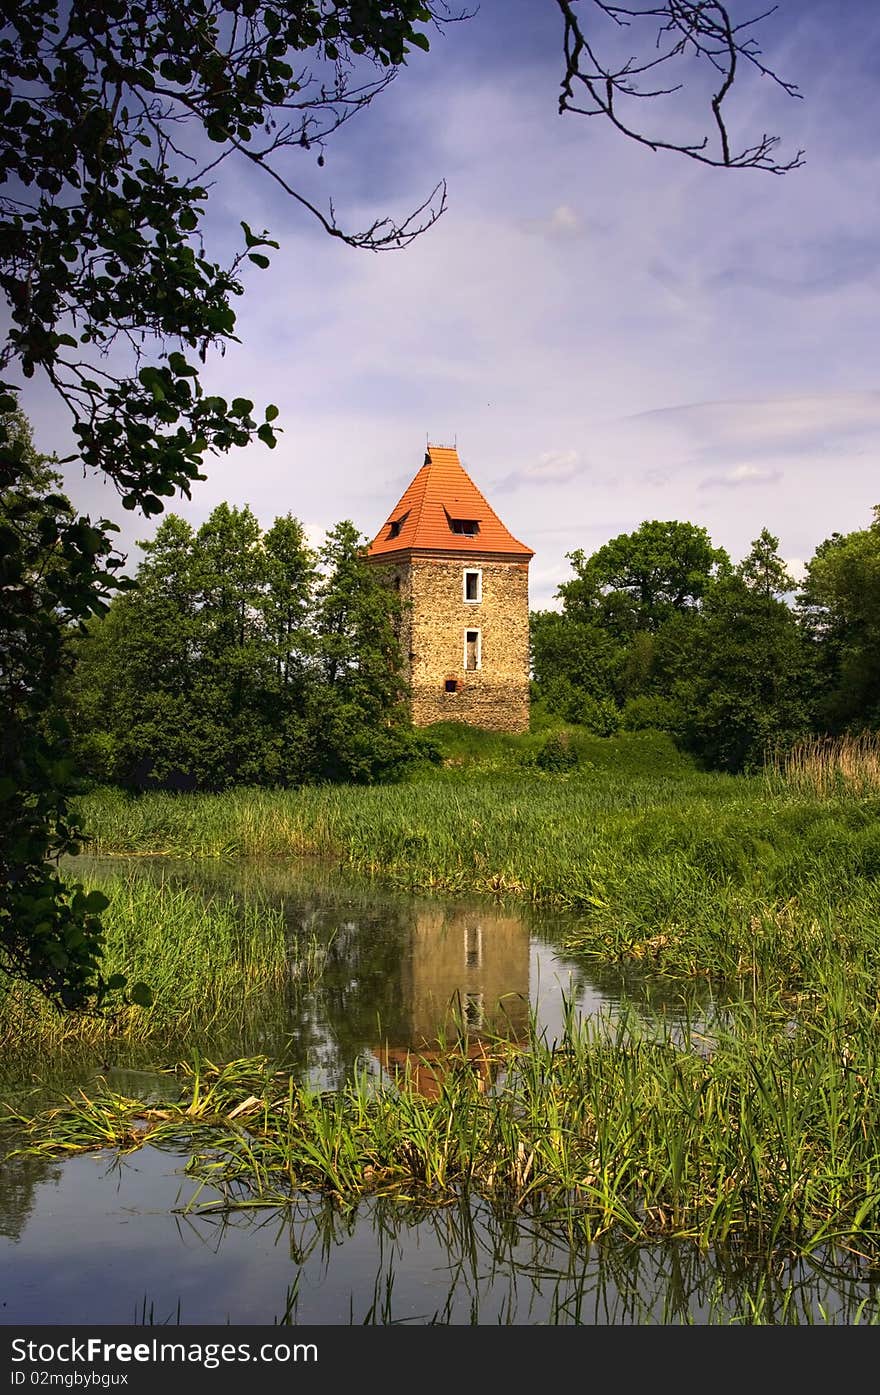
[103, 1238]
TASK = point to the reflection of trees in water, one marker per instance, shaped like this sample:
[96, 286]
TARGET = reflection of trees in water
[19, 1179]
[366, 997]
[502, 1267]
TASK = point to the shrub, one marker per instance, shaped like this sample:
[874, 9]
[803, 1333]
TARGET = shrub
[556, 754]
[651, 712]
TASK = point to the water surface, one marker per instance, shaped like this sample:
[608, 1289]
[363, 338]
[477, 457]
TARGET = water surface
[99, 1238]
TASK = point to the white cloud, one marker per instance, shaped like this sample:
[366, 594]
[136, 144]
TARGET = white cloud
[593, 321]
[738, 475]
[551, 467]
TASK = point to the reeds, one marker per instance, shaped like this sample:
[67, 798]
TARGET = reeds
[768, 1142]
[707, 876]
[212, 963]
[828, 767]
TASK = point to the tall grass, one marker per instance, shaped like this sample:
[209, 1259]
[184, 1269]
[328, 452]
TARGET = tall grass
[705, 875]
[767, 1143]
[830, 767]
[215, 966]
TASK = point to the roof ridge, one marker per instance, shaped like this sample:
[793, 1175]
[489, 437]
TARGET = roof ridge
[425, 525]
[421, 503]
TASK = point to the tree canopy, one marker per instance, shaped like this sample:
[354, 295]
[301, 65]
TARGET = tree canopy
[659, 629]
[243, 657]
[637, 580]
[115, 116]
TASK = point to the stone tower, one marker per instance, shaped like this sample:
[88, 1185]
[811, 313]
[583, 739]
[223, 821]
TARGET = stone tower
[464, 581]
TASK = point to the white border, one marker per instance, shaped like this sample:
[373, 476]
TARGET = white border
[472, 630]
[478, 573]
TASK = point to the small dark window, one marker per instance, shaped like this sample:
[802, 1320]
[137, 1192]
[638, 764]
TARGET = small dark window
[451, 685]
[470, 527]
[472, 586]
[396, 524]
[471, 649]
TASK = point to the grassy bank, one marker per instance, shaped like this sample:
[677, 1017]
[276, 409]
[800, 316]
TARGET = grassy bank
[697, 874]
[468, 752]
[212, 965]
[767, 1142]
[762, 1134]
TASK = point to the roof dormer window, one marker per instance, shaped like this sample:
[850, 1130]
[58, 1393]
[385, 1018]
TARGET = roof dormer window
[396, 524]
[469, 527]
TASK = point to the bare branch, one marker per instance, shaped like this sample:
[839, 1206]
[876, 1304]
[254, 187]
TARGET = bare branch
[684, 30]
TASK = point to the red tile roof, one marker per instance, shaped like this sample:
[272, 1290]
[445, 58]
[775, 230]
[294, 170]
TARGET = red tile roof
[441, 493]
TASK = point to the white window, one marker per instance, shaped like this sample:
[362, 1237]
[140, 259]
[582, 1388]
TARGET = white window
[472, 586]
[473, 650]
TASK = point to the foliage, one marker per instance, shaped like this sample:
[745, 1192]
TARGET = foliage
[241, 657]
[637, 580]
[105, 117]
[556, 755]
[113, 117]
[56, 571]
[581, 654]
[659, 630]
[840, 607]
[651, 712]
[752, 684]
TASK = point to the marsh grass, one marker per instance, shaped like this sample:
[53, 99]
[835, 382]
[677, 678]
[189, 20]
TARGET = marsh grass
[699, 876]
[213, 963]
[829, 767]
[767, 1142]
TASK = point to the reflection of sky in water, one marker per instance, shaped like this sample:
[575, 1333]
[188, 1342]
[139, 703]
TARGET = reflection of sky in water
[98, 1239]
[103, 1244]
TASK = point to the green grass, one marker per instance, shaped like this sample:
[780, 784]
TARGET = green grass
[767, 1142]
[763, 1134]
[689, 875]
[469, 752]
[212, 963]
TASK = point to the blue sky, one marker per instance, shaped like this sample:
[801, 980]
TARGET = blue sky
[609, 334]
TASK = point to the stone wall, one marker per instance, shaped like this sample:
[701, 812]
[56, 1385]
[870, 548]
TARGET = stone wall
[496, 695]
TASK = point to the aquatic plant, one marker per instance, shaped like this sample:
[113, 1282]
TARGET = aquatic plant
[766, 1138]
[702, 875]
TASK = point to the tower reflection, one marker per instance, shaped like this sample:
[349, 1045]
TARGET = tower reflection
[464, 990]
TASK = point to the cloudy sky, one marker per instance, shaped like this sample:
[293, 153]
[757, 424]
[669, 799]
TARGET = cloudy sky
[609, 334]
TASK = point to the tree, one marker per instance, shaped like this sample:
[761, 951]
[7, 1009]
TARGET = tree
[358, 708]
[623, 634]
[56, 570]
[237, 659]
[576, 665]
[287, 613]
[682, 35]
[104, 118]
[750, 687]
[764, 571]
[840, 609]
[637, 580]
[113, 118]
[132, 694]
